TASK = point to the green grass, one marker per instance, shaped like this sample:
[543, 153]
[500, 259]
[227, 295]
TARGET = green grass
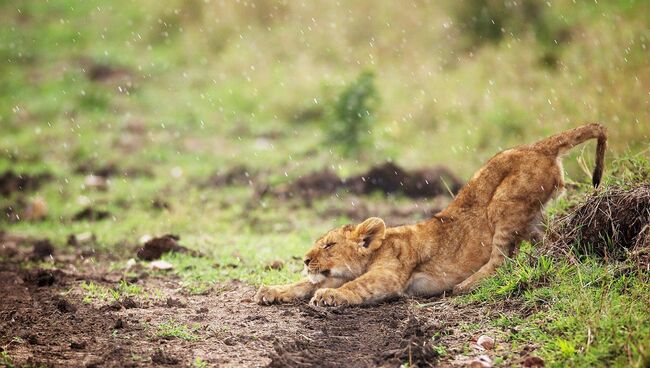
[96, 292]
[173, 329]
[581, 315]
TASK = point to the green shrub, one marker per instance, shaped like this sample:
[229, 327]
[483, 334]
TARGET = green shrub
[353, 113]
[489, 21]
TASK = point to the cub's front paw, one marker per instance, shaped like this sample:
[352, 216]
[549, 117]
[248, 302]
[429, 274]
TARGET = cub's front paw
[329, 298]
[272, 294]
[461, 289]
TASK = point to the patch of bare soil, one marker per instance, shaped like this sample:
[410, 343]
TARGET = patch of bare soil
[10, 182]
[387, 178]
[108, 74]
[238, 175]
[91, 214]
[109, 170]
[386, 335]
[46, 320]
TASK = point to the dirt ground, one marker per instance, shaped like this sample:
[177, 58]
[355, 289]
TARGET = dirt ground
[45, 320]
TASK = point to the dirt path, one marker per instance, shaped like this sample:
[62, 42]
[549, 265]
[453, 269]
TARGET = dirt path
[45, 320]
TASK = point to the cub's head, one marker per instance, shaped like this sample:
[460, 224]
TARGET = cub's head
[344, 252]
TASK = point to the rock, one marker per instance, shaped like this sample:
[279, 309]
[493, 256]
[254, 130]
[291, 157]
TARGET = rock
[533, 361]
[81, 238]
[161, 265]
[482, 361]
[274, 265]
[144, 239]
[485, 342]
[36, 209]
[96, 182]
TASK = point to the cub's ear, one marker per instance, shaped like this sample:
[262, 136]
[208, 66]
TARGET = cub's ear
[371, 233]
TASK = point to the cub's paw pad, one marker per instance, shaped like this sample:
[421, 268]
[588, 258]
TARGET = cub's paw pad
[329, 298]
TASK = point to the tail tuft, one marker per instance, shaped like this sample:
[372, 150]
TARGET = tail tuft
[600, 157]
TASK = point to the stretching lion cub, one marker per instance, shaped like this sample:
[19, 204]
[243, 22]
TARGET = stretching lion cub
[498, 208]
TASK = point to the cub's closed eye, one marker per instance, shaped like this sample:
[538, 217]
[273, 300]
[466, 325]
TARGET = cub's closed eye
[329, 245]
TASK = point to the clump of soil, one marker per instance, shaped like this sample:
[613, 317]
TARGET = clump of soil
[34, 210]
[238, 175]
[110, 170]
[11, 182]
[12, 212]
[387, 178]
[613, 224]
[106, 73]
[91, 214]
[42, 278]
[42, 249]
[160, 357]
[156, 247]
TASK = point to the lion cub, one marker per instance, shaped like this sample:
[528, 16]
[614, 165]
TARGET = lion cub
[497, 209]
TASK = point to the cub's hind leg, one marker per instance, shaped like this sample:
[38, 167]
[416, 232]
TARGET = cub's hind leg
[503, 243]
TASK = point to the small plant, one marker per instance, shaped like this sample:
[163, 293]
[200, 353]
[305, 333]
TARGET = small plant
[353, 113]
[199, 363]
[93, 291]
[6, 360]
[173, 329]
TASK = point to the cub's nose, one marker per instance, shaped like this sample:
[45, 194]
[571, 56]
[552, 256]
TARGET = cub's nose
[307, 261]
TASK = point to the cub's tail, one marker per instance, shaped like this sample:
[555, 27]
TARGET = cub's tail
[562, 142]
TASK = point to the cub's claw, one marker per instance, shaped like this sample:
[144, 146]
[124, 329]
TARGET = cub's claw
[271, 294]
[329, 298]
[461, 289]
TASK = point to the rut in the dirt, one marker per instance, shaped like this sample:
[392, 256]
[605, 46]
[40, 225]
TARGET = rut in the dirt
[358, 337]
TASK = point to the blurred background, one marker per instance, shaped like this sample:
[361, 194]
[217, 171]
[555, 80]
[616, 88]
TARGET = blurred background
[226, 121]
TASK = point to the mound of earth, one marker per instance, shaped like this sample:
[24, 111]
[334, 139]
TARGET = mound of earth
[238, 175]
[11, 182]
[156, 247]
[613, 224]
[109, 170]
[387, 178]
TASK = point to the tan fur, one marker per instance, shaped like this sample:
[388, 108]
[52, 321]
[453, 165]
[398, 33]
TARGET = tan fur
[458, 247]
